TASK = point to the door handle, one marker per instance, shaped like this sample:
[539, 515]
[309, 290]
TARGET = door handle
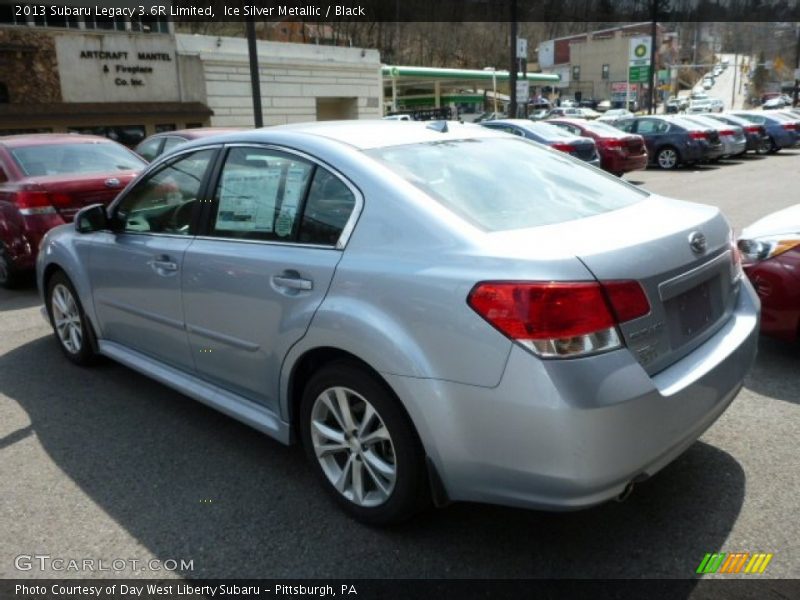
[292, 283]
[163, 265]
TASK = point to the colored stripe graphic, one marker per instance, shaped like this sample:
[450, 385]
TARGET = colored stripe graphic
[733, 562]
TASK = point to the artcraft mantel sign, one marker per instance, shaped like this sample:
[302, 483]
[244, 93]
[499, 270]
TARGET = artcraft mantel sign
[121, 71]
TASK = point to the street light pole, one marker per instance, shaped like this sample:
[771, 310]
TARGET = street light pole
[512, 75]
[255, 78]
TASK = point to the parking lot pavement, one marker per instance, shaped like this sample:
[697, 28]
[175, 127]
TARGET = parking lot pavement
[106, 464]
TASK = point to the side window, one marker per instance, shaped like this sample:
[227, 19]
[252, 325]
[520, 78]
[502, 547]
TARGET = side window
[328, 208]
[163, 202]
[259, 195]
[646, 126]
[625, 125]
[170, 142]
[663, 127]
[149, 149]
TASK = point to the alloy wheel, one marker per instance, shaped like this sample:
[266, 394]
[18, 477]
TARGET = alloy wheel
[667, 158]
[67, 318]
[353, 446]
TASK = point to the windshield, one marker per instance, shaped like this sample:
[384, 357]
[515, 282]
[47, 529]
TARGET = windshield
[503, 184]
[69, 159]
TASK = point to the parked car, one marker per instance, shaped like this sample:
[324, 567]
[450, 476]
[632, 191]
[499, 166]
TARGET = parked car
[672, 142]
[770, 250]
[437, 313]
[781, 134]
[44, 180]
[717, 105]
[700, 105]
[673, 106]
[756, 136]
[615, 114]
[489, 116]
[774, 103]
[154, 146]
[732, 137]
[603, 106]
[619, 152]
[581, 147]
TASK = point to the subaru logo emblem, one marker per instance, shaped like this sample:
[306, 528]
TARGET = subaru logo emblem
[112, 182]
[697, 242]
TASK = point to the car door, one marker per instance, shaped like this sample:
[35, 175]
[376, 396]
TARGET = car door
[253, 282]
[136, 269]
[649, 129]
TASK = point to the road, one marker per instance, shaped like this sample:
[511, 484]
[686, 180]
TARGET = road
[723, 87]
[106, 464]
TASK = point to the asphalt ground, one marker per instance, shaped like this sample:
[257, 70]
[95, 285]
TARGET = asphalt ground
[106, 464]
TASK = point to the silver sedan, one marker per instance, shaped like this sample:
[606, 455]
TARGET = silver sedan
[437, 312]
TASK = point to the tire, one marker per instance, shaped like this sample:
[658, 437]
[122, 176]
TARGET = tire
[773, 147]
[765, 146]
[383, 448]
[9, 277]
[667, 158]
[76, 337]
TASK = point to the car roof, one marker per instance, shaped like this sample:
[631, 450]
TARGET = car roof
[196, 133]
[46, 139]
[367, 133]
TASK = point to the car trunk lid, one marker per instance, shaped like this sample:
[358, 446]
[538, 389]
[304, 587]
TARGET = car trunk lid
[68, 194]
[691, 292]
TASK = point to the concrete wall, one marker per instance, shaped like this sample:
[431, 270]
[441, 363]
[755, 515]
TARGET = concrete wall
[293, 78]
[593, 54]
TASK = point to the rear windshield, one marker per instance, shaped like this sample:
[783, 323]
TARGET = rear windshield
[66, 159]
[549, 132]
[503, 184]
[602, 129]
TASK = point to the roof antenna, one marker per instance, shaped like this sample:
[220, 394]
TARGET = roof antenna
[440, 126]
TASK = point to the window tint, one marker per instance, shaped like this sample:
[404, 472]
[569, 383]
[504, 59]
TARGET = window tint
[163, 202]
[330, 204]
[259, 195]
[538, 186]
[148, 149]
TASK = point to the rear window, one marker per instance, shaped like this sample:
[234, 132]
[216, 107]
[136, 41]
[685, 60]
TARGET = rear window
[503, 184]
[549, 132]
[602, 129]
[66, 159]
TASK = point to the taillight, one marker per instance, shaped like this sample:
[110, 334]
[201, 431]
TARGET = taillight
[789, 126]
[727, 132]
[560, 319]
[34, 203]
[563, 147]
[698, 135]
[753, 129]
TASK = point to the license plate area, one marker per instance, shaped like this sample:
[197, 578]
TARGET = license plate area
[694, 311]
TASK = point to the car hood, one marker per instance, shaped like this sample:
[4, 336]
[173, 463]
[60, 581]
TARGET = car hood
[783, 221]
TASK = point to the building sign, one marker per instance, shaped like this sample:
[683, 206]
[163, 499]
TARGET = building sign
[117, 68]
[618, 90]
[639, 50]
[639, 74]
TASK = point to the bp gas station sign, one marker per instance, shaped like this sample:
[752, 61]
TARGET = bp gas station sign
[639, 59]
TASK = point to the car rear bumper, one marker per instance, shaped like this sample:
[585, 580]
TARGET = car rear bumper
[567, 434]
[616, 163]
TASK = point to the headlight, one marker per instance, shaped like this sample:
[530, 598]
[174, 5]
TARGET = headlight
[767, 247]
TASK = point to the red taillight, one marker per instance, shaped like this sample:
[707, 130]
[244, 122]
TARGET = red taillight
[789, 126]
[727, 132]
[612, 143]
[560, 318]
[27, 201]
[563, 147]
[753, 129]
[698, 135]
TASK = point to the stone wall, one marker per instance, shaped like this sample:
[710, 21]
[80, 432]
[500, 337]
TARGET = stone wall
[28, 66]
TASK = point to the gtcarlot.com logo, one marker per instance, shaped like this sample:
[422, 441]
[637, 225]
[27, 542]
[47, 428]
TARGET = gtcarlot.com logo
[45, 562]
[735, 562]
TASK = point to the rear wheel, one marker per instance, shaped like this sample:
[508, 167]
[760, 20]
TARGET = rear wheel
[667, 158]
[72, 329]
[9, 278]
[773, 147]
[363, 445]
[764, 147]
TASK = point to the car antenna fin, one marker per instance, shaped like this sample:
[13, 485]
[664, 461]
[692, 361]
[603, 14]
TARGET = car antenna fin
[440, 126]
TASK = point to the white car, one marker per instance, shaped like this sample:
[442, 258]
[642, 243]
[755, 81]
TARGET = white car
[717, 105]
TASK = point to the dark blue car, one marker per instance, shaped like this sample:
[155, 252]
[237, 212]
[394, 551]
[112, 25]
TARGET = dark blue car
[550, 135]
[673, 141]
[782, 133]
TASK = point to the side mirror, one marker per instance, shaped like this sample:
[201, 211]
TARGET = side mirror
[91, 218]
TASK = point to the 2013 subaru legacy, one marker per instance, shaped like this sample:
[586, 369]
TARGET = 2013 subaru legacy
[438, 312]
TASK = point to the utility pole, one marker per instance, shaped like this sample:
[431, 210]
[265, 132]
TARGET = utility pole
[796, 64]
[255, 78]
[512, 75]
[733, 90]
[653, 59]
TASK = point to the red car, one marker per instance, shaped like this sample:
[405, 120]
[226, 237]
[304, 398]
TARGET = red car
[156, 145]
[770, 251]
[44, 180]
[620, 152]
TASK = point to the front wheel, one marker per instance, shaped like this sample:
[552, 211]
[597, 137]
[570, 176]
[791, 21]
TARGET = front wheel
[667, 158]
[70, 325]
[363, 445]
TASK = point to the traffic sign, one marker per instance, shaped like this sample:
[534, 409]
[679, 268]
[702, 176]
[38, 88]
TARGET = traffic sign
[639, 73]
[522, 48]
[523, 90]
